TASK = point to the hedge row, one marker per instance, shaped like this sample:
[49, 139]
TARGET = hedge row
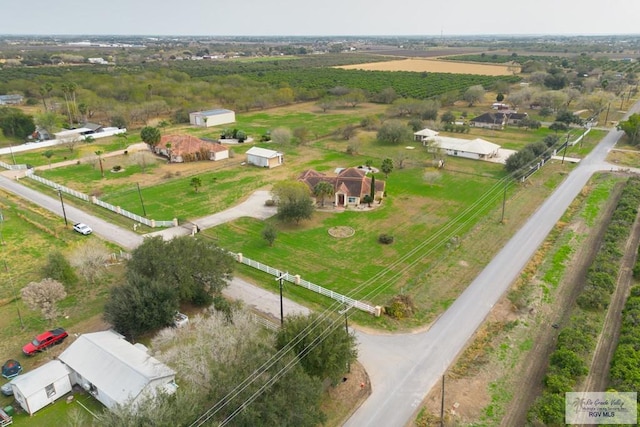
[577, 341]
[625, 366]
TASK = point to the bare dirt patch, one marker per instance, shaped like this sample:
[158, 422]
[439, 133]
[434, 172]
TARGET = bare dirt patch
[435, 66]
[343, 399]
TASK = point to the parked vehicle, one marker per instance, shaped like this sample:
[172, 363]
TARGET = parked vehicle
[44, 341]
[82, 228]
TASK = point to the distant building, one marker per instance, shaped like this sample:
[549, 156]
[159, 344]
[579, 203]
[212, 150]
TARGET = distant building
[210, 118]
[100, 61]
[11, 99]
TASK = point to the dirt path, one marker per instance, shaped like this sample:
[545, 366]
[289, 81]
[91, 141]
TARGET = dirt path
[533, 368]
[598, 378]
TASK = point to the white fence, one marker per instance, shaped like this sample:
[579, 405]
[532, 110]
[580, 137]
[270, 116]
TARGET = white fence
[12, 167]
[142, 220]
[296, 280]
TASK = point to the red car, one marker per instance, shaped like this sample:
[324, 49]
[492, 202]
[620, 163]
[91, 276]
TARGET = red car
[44, 341]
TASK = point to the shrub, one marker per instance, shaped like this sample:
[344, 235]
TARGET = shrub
[270, 202]
[400, 307]
[385, 239]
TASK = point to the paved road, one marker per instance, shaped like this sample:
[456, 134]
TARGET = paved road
[403, 368]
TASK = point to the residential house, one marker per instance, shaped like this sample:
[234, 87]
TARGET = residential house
[497, 120]
[188, 148]
[350, 185]
[41, 386]
[114, 371]
[210, 118]
[477, 149]
[264, 158]
[11, 99]
[492, 120]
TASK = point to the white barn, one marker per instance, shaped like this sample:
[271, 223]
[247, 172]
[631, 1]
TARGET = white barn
[264, 158]
[424, 135]
[210, 118]
[115, 371]
[42, 386]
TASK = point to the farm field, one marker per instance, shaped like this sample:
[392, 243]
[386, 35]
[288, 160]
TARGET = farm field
[436, 66]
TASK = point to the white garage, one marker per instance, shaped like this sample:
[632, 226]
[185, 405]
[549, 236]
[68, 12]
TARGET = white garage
[210, 118]
[42, 386]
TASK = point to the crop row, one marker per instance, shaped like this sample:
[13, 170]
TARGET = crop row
[405, 83]
[576, 341]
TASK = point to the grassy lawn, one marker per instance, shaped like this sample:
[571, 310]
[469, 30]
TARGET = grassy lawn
[81, 410]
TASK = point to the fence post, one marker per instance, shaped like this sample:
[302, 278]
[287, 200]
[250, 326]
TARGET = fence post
[239, 256]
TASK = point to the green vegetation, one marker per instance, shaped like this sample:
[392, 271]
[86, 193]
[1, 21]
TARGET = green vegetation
[624, 375]
[577, 340]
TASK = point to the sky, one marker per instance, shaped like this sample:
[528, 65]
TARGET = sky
[319, 17]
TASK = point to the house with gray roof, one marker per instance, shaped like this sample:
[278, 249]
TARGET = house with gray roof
[115, 371]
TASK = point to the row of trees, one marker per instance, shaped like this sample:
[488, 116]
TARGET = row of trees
[577, 341]
[624, 373]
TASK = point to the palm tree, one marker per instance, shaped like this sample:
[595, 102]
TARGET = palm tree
[48, 154]
[99, 153]
[323, 189]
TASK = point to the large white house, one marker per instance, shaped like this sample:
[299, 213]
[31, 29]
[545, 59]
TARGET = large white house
[210, 118]
[477, 149]
[115, 371]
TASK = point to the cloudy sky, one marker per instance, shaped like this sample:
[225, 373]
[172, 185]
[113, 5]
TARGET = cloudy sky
[319, 17]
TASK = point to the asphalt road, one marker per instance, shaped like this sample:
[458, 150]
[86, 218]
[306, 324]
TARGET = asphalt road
[403, 368]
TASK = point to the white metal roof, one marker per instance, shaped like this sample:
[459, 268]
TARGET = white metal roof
[39, 378]
[427, 133]
[476, 146]
[116, 367]
[262, 152]
[215, 112]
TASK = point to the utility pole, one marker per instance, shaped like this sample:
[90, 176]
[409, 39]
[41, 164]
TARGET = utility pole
[346, 329]
[144, 211]
[606, 118]
[281, 279]
[504, 201]
[442, 404]
[566, 144]
[11, 151]
[64, 213]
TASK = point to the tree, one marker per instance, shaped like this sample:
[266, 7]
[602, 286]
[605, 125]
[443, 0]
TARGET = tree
[558, 126]
[90, 260]
[568, 117]
[49, 121]
[294, 201]
[500, 97]
[322, 345]
[387, 96]
[393, 132]
[48, 154]
[14, 123]
[99, 154]
[367, 199]
[326, 104]
[473, 95]
[448, 117]
[196, 268]
[140, 305]
[45, 91]
[386, 167]
[70, 141]
[354, 97]
[519, 160]
[118, 121]
[69, 92]
[301, 134]
[631, 127]
[269, 234]
[58, 268]
[322, 190]
[196, 183]
[151, 135]
[281, 136]
[44, 296]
